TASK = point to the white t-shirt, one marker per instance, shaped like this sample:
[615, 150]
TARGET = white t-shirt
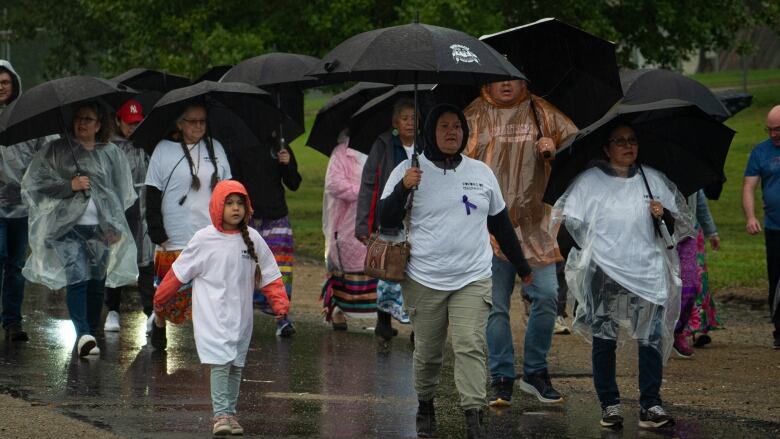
[409, 150]
[168, 166]
[622, 235]
[450, 243]
[90, 215]
[222, 275]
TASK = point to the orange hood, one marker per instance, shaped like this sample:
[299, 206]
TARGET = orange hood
[222, 190]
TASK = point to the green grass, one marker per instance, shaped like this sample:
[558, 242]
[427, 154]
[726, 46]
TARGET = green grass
[306, 203]
[741, 262]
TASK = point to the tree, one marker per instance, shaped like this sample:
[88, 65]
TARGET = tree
[190, 36]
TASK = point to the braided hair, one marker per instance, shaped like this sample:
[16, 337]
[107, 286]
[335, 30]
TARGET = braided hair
[250, 246]
[195, 184]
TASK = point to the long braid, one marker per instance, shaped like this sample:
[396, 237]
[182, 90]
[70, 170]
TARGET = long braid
[195, 180]
[250, 246]
[210, 150]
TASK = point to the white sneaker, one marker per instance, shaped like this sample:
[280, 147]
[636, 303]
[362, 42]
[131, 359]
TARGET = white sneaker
[149, 323]
[86, 344]
[112, 322]
[95, 351]
[560, 326]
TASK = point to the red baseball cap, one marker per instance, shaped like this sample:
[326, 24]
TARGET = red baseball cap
[130, 112]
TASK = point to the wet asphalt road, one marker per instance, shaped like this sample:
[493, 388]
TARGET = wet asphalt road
[319, 384]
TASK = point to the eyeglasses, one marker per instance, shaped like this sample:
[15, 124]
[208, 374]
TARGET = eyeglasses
[5, 83]
[772, 130]
[195, 121]
[623, 141]
[85, 119]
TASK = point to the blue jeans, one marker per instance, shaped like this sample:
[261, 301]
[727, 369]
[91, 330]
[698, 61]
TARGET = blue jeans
[543, 291]
[650, 373]
[225, 382]
[13, 249]
[85, 303]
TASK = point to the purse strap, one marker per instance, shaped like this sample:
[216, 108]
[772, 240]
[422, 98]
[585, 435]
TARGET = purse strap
[406, 221]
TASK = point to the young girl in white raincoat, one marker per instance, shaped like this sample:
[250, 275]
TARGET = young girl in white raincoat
[224, 261]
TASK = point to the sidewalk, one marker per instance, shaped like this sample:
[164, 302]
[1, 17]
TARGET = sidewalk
[22, 419]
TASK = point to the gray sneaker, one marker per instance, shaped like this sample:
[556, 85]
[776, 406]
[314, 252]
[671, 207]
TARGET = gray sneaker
[654, 417]
[611, 417]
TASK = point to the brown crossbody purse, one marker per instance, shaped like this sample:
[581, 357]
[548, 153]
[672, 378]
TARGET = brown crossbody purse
[385, 259]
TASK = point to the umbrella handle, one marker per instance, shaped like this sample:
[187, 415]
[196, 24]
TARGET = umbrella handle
[661, 226]
[85, 191]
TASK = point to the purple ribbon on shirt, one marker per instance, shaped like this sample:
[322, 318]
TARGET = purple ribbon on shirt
[469, 205]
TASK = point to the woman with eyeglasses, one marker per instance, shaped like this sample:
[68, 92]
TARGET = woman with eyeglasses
[182, 173]
[620, 271]
[77, 189]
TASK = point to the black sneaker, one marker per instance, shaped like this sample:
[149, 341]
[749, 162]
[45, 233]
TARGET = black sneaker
[540, 386]
[158, 339]
[611, 417]
[654, 417]
[776, 345]
[16, 333]
[701, 341]
[502, 392]
[426, 419]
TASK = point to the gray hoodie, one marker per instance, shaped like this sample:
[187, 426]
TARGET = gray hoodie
[14, 159]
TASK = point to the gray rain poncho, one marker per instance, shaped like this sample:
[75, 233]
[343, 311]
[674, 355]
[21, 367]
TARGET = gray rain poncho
[622, 275]
[136, 217]
[62, 253]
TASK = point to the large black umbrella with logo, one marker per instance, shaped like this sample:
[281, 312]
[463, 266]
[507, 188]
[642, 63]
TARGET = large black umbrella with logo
[334, 115]
[571, 68]
[415, 53]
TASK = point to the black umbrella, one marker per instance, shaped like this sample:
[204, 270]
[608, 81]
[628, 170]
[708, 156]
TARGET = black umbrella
[375, 117]
[415, 54]
[147, 79]
[235, 110]
[284, 76]
[643, 86]
[215, 73]
[574, 70]
[151, 84]
[675, 137]
[46, 108]
[334, 115]
[734, 101]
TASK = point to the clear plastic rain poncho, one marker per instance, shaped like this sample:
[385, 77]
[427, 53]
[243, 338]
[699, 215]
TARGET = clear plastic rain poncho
[14, 161]
[504, 137]
[63, 253]
[622, 274]
[139, 163]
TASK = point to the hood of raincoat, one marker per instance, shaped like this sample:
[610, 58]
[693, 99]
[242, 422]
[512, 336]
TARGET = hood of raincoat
[17, 81]
[222, 190]
[431, 149]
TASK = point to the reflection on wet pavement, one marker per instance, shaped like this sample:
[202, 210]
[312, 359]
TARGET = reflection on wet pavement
[319, 384]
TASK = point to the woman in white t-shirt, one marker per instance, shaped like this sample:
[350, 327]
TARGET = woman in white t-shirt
[77, 189]
[620, 272]
[224, 261]
[179, 182]
[448, 284]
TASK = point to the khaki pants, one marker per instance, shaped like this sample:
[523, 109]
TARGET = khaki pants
[466, 312]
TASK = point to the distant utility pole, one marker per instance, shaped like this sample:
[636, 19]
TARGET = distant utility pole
[5, 37]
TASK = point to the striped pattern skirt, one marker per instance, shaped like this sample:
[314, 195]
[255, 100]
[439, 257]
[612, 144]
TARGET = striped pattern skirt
[278, 235]
[353, 293]
[179, 308]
